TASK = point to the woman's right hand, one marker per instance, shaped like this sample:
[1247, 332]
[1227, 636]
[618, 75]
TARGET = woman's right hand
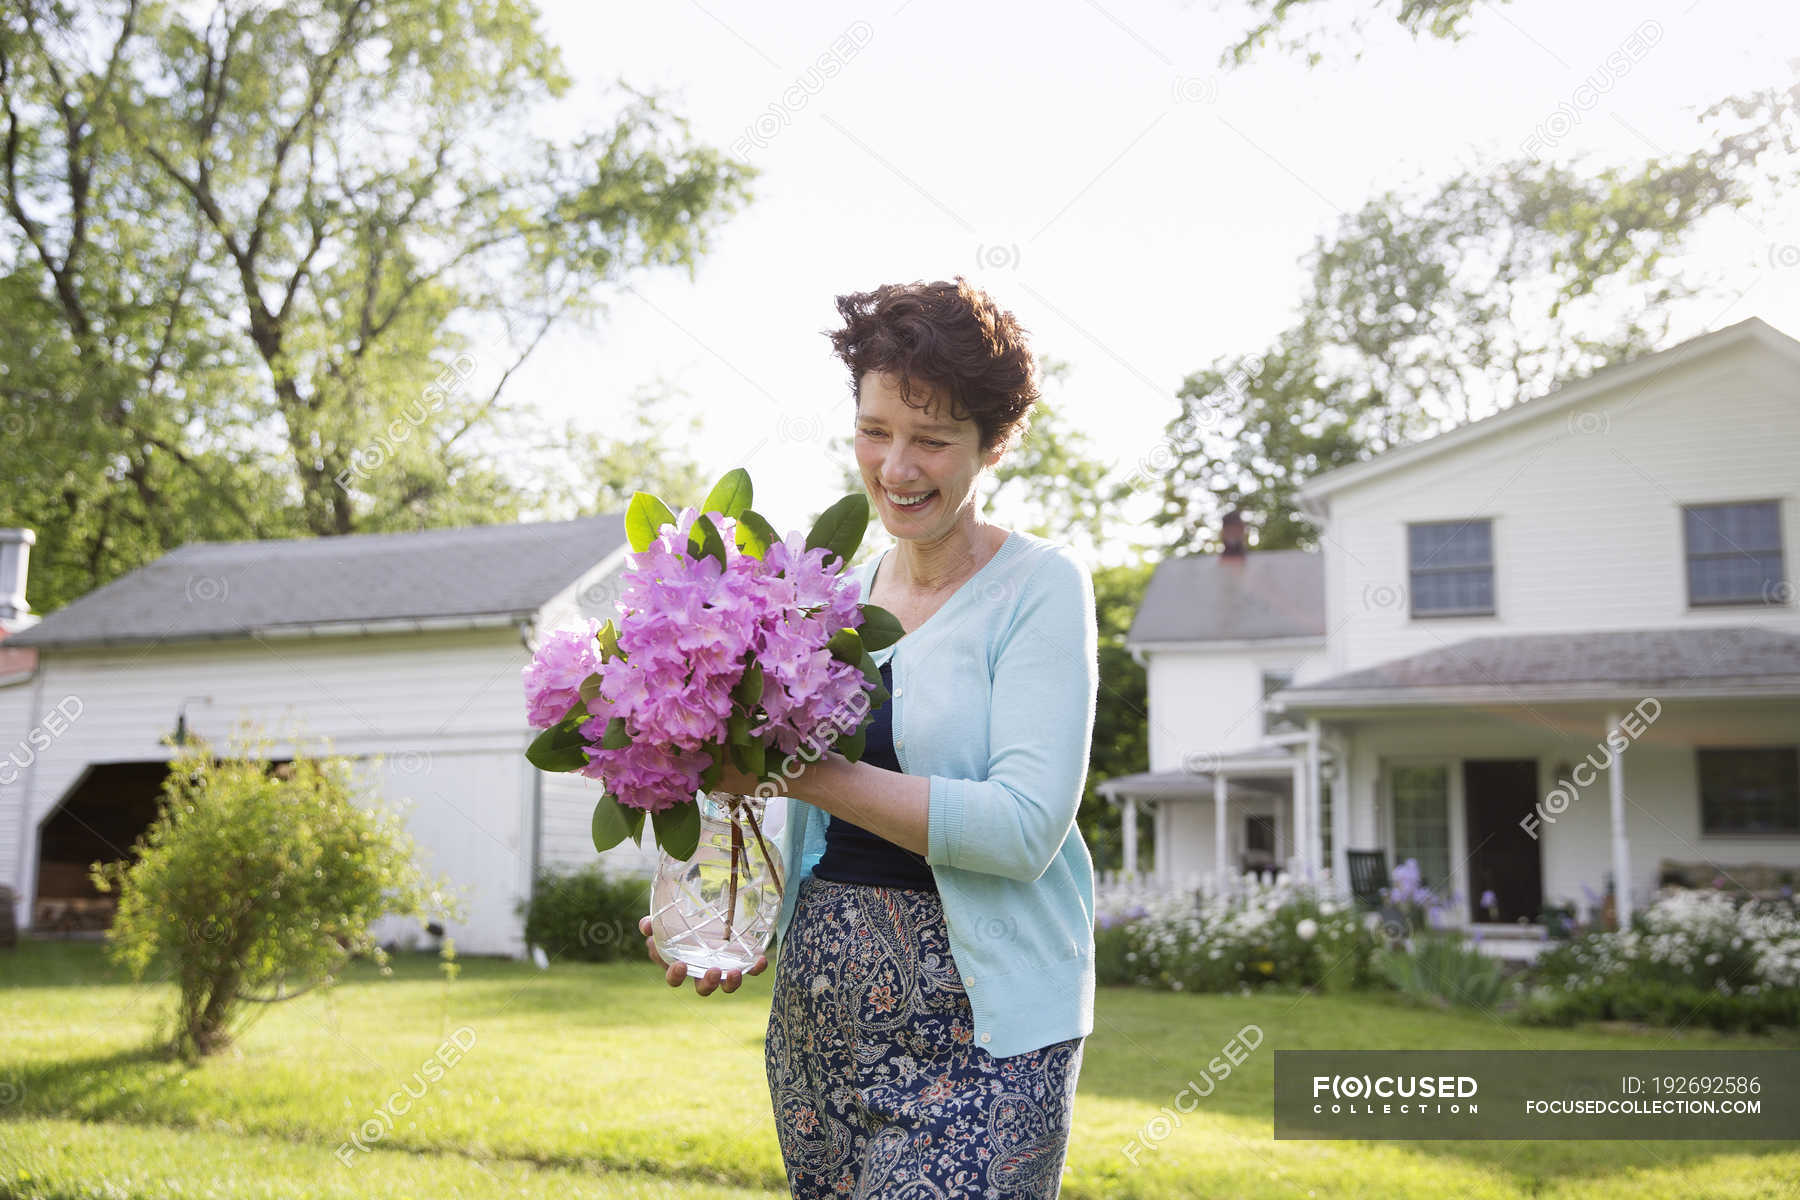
[704, 985]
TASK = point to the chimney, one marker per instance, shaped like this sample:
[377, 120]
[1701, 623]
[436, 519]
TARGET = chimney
[15, 558]
[1232, 545]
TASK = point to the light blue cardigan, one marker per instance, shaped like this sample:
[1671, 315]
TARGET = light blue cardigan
[1006, 674]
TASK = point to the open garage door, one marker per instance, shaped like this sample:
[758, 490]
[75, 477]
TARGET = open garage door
[99, 820]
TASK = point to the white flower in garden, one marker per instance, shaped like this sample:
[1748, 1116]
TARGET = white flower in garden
[1306, 928]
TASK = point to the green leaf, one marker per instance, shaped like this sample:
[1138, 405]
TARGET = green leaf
[749, 689]
[749, 757]
[611, 825]
[840, 528]
[709, 778]
[846, 646]
[643, 517]
[590, 687]
[850, 745]
[634, 821]
[880, 628]
[731, 495]
[561, 747]
[678, 829]
[608, 638]
[704, 538]
[615, 737]
[737, 729]
[753, 534]
[871, 672]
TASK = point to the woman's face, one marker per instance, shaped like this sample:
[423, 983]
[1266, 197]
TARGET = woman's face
[905, 453]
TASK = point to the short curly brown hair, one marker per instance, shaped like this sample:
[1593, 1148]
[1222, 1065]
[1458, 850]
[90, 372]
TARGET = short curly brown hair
[952, 339]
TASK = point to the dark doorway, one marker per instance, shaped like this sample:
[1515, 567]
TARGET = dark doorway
[98, 821]
[1503, 858]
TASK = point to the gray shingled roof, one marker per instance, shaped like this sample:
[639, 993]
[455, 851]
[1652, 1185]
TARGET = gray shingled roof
[1651, 661]
[1204, 598]
[236, 589]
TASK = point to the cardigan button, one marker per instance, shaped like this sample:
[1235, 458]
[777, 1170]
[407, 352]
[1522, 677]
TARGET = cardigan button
[984, 1037]
[968, 979]
[898, 692]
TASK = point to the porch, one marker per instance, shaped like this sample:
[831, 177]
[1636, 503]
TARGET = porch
[1526, 775]
[1537, 774]
[1227, 813]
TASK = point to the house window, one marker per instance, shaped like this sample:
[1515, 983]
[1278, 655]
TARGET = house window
[1749, 790]
[1733, 553]
[1274, 719]
[1422, 822]
[1451, 566]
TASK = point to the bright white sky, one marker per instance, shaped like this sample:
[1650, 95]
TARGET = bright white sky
[1139, 210]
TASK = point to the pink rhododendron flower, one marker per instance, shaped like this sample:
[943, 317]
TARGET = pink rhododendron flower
[553, 677]
[688, 629]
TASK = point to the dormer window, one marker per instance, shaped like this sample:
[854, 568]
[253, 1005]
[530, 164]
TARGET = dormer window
[1275, 718]
[1734, 553]
[1451, 568]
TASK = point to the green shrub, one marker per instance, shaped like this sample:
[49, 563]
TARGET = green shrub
[1652, 1003]
[256, 884]
[586, 915]
[1441, 968]
[1111, 945]
[1693, 956]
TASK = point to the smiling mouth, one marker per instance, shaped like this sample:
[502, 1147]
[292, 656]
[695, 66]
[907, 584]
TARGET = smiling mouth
[920, 501]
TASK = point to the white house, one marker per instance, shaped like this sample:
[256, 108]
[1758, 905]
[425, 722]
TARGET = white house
[1540, 652]
[401, 647]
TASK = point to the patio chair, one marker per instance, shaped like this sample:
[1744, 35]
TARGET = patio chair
[1368, 875]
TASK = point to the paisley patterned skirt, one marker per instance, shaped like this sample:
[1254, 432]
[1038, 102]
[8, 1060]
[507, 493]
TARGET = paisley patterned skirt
[879, 1087]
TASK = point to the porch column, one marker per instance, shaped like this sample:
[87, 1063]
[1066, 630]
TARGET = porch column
[1220, 882]
[1128, 825]
[1315, 822]
[1621, 850]
[1300, 856]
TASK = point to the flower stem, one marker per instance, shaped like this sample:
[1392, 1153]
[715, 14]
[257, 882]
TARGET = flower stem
[737, 851]
[774, 871]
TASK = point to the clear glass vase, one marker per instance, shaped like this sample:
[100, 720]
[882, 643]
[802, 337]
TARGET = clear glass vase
[718, 908]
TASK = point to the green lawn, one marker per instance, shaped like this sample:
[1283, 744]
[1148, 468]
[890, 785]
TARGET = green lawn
[600, 1081]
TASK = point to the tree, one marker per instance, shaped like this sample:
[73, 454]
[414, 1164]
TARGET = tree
[1274, 24]
[242, 250]
[1426, 311]
[1121, 719]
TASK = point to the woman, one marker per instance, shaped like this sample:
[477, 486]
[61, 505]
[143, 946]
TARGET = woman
[934, 982]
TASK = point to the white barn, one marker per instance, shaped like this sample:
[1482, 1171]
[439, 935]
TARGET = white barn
[1492, 612]
[405, 648]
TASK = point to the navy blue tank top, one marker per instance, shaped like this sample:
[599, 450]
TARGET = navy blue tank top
[856, 855]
